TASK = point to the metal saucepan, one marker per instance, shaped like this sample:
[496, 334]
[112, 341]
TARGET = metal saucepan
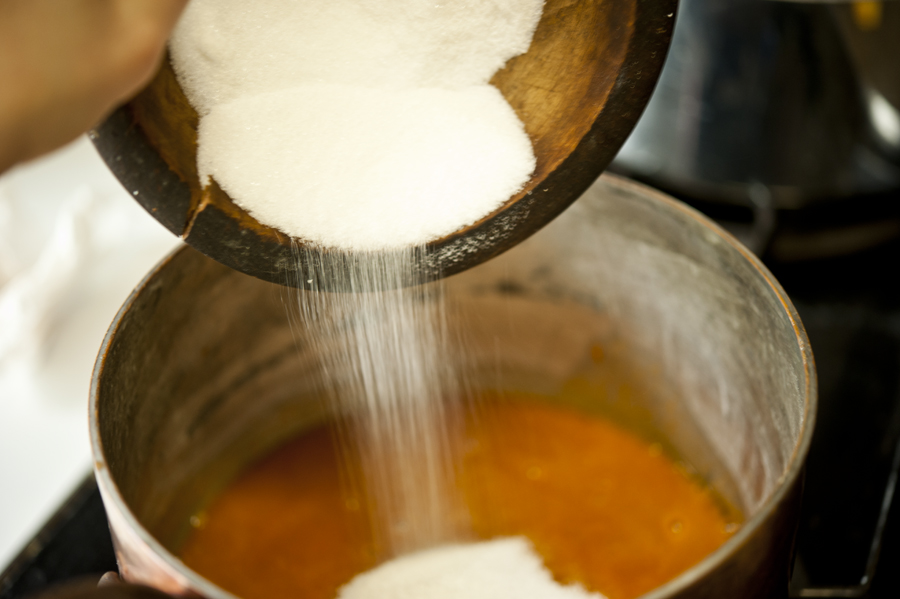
[200, 373]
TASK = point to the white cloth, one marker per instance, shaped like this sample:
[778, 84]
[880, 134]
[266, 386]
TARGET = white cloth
[73, 244]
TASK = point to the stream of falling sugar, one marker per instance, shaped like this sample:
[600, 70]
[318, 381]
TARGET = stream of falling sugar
[385, 355]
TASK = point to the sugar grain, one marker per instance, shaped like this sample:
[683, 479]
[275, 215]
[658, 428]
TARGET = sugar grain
[395, 384]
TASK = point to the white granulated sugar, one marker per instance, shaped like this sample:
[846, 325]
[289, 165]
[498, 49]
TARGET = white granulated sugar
[498, 569]
[414, 163]
[224, 49]
[359, 124]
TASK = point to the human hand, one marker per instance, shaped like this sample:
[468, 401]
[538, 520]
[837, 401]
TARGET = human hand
[65, 64]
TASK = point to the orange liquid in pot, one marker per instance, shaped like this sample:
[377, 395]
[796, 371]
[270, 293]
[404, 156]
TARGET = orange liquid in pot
[601, 505]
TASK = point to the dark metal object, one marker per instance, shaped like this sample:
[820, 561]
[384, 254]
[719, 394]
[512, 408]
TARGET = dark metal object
[800, 100]
[865, 584]
[848, 543]
[821, 230]
[66, 547]
[579, 90]
[200, 373]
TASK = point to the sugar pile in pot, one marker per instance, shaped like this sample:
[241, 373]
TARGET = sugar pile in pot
[498, 569]
[357, 124]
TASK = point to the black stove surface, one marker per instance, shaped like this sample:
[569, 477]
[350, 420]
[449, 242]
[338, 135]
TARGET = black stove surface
[73, 544]
[848, 544]
[850, 306]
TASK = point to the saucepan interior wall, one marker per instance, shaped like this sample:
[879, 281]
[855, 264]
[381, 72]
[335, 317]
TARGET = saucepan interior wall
[203, 374]
[725, 371]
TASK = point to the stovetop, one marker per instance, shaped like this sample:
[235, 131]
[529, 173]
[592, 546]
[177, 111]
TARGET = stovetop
[850, 307]
[848, 543]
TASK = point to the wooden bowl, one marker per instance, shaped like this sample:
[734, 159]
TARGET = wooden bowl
[579, 91]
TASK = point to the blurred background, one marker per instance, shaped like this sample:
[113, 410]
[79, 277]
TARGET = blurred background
[73, 245]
